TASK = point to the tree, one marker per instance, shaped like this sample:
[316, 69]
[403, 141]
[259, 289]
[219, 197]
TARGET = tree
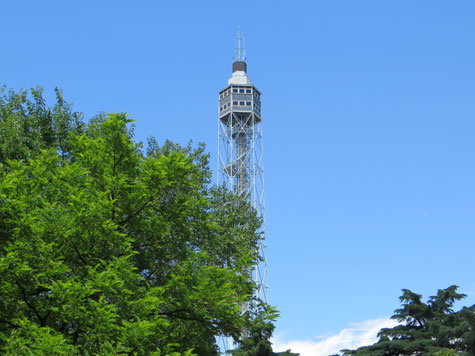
[431, 328]
[259, 331]
[106, 250]
[28, 125]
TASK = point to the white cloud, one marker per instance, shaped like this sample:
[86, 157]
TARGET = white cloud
[358, 334]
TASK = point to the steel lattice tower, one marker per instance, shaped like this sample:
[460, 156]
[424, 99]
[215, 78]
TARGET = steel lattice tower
[240, 149]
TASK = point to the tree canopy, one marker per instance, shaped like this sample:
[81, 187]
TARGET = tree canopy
[28, 124]
[257, 341]
[431, 328]
[107, 249]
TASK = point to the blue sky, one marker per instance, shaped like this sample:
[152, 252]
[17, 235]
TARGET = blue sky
[368, 113]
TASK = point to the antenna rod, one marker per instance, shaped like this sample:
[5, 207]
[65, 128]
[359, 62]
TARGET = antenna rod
[241, 50]
[239, 43]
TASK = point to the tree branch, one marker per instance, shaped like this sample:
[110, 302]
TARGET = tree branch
[151, 200]
[31, 306]
[13, 325]
[80, 256]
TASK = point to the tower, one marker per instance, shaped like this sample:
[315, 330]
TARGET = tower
[240, 149]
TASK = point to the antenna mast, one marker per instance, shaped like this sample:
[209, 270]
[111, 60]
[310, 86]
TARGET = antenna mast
[240, 49]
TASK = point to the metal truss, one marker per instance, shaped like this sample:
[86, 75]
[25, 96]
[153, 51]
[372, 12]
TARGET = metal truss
[241, 169]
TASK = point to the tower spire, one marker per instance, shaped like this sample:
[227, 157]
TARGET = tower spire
[239, 62]
[240, 49]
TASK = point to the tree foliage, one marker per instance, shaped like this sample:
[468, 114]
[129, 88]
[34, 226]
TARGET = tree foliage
[430, 328]
[107, 250]
[259, 331]
[28, 125]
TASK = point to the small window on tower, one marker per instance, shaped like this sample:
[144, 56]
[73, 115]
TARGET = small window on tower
[221, 108]
[248, 103]
[248, 91]
[241, 103]
[241, 90]
[235, 90]
[235, 102]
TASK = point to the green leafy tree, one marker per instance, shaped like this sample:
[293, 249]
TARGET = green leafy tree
[426, 328]
[29, 339]
[28, 125]
[259, 330]
[105, 250]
